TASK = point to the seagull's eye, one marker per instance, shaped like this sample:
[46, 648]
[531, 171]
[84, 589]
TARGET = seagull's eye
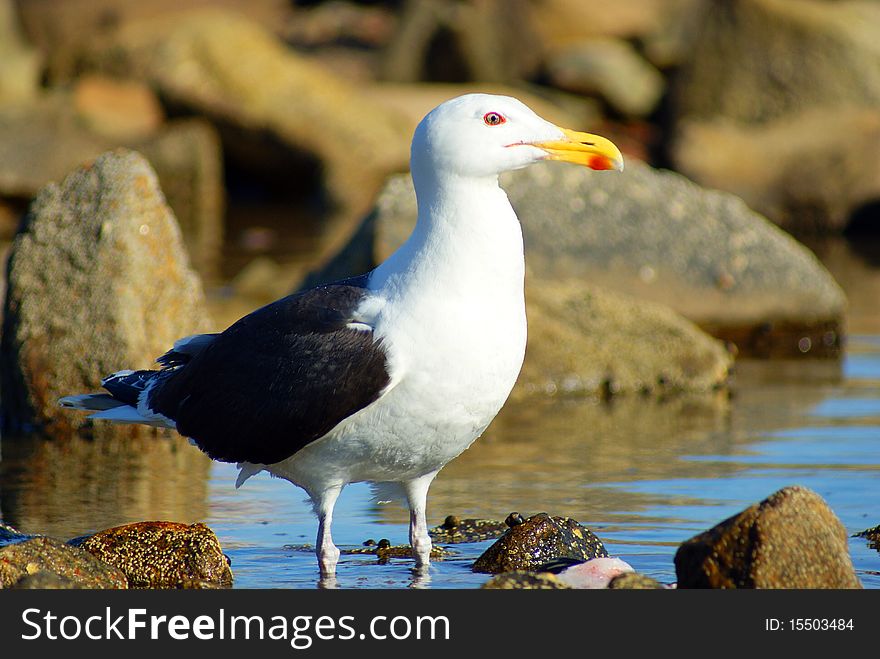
[493, 119]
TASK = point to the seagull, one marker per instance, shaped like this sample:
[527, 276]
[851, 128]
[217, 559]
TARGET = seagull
[384, 377]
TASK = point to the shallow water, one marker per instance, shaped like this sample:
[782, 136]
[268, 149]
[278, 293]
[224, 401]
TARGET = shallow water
[644, 475]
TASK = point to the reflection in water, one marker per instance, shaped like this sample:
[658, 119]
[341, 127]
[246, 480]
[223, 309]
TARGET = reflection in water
[68, 488]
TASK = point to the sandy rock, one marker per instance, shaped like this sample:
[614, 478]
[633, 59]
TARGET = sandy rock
[162, 554]
[634, 581]
[756, 60]
[524, 580]
[611, 69]
[585, 340]
[63, 31]
[792, 539]
[188, 161]
[442, 40]
[20, 63]
[561, 22]
[537, 540]
[808, 172]
[43, 140]
[37, 555]
[98, 280]
[118, 109]
[273, 105]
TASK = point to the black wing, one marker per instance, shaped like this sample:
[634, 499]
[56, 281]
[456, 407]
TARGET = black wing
[277, 379]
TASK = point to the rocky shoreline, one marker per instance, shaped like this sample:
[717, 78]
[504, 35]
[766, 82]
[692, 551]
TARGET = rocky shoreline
[791, 539]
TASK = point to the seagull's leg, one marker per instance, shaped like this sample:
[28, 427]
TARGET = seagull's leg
[417, 496]
[328, 553]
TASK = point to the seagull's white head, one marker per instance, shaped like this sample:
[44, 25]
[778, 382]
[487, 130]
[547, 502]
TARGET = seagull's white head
[482, 135]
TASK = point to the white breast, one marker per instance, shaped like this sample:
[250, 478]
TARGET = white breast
[450, 311]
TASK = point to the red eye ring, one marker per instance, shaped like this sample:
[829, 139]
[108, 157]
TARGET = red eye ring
[493, 119]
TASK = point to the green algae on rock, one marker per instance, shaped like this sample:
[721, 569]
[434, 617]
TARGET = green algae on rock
[537, 540]
[42, 554]
[455, 530]
[524, 580]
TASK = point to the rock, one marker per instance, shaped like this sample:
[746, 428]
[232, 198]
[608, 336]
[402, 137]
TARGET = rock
[792, 539]
[583, 340]
[561, 22]
[654, 235]
[9, 535]
[809, 172]
[280, 114]
[41, 554]
[97, 279]
[20, 64]
[634, 581]
[611, 69]
[63, 31]
[189, 163]
[872, 535]
[524, 580]
[757, 60]
[455, 530]
[43, 580]
[118, 109]
[536, 541]
[42, 141]
[384, 551]
[450, 41]
[163, 554]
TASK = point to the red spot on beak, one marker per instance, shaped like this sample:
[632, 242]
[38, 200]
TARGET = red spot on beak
[599, 162]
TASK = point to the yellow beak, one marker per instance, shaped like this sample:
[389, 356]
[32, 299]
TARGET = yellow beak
[592, 151]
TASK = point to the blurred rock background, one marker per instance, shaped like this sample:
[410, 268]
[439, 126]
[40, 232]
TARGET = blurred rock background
[276, 129]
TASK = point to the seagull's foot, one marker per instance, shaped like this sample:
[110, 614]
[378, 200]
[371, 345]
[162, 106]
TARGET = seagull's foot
[421, 550]
[328, 557]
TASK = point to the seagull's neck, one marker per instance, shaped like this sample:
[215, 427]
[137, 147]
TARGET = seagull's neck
[466, 236]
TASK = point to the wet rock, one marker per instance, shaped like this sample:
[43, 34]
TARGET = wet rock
[654, 235]
[384, 550]
[163, 554]
[20, 63]
[871, 535]
[538, 540]
[41, 554]
[809, 172]
[792, 539]
[758, 60]
[286, 118]
[524, 580]
[634, 581]
[43, 580]
[97, 279]
[611, 69]
[45, 139]
[456, 530]
[9, 535]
